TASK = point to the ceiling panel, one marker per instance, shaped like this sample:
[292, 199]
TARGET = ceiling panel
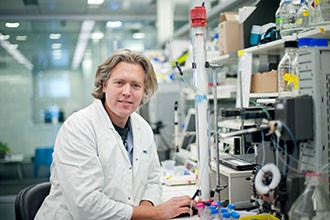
[39, 20]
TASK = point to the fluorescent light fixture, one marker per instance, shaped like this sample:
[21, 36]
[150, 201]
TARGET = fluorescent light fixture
[84, 35]
[21, 38]
[16, 54]
[14, 46]
[56, 46]
[95, 2]
[54, 36]
[12, 24]
[97, 35]
[57, 54]
[4, 37]
[138, 35]
[113, 24]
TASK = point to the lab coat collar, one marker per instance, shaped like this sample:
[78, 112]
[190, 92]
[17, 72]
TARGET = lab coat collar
[136, 131]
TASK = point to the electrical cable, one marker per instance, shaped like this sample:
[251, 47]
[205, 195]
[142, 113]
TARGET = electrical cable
[292, 158]
[263, 149]
[285, 168]
[323, 168]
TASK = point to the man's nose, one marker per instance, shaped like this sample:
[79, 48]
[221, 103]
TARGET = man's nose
[127, 89]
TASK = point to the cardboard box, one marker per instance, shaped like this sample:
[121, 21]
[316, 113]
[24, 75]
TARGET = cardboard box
[230, 33]
[264, 82]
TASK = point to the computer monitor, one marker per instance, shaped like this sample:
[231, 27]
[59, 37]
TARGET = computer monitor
[189, 130]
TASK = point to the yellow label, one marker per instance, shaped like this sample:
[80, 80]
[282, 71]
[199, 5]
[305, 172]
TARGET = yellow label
[290, 78]
[316, 2]
[240, 53]
[322, 30]
[196, 171]
[299, 21]
[305, 13]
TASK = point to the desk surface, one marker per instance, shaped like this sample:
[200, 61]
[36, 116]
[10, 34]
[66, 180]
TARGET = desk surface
[13, 158]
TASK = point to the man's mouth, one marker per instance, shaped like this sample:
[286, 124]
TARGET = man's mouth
[125, 102]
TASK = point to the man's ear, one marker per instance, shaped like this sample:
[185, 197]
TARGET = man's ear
[104, 86]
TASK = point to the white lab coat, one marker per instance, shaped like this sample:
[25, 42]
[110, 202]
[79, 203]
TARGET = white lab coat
[91, 175]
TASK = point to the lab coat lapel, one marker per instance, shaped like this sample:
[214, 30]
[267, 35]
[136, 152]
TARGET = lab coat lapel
[137, 143]
[112, 128]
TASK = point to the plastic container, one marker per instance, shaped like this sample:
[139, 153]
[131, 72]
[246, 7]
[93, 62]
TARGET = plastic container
[278, 17]
[214, 214]
[322, 12]
[313, 203]
[231, 207]
[200, 207]
[234, 215]
[168, 167]
[226, 216]
[302, 16]
[288, 71]
[287, 18]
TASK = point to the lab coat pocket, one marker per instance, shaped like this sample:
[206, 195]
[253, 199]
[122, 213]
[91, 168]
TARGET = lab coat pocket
[144, 166]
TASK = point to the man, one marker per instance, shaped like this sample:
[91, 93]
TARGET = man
[105, 162]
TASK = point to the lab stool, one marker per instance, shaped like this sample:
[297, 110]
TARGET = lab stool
[42, 159]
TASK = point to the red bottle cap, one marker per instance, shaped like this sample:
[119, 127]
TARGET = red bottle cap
[198, 16]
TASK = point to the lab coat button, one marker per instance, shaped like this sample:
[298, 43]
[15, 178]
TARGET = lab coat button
[136, 159]
[129, 198]
[130, 168]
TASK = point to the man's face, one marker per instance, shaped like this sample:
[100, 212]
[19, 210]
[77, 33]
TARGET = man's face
[123, 91]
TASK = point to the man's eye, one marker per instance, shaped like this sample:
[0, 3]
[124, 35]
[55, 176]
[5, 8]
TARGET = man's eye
[136, 85]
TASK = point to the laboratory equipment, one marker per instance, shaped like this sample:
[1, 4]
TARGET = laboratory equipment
[198, 36]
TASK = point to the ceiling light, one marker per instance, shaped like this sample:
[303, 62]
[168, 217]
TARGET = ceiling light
[14, 46]
[113, 24]
[54, 36]
[21, 38]
[57, 54]
[4, 37]
[12, 24]
[138, 35]
[97, 35]
[16, 54]
[95, 2]
[85, 32]
[56, 46]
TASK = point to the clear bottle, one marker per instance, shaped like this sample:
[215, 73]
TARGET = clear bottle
[302, 19]
[214, 214]
[288, 71]
[226, 216]
[287, 18]
[318, 17]
[231, 207]
[313, 203]
[278, 17]
[201, 212]
[324, 7]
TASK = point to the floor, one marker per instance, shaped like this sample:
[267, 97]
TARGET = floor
[11, 184]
